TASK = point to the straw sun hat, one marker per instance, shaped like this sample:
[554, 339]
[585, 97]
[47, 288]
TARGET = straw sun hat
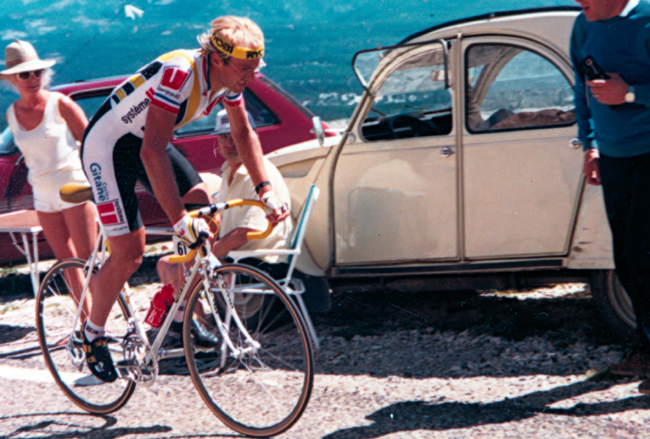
[20, 56]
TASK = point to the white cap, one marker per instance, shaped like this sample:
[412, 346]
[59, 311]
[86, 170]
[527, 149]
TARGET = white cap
[223, 124]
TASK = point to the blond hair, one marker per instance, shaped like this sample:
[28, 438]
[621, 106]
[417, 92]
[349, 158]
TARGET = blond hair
[238, 31]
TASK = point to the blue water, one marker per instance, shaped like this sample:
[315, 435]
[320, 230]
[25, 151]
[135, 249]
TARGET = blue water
[309, 45]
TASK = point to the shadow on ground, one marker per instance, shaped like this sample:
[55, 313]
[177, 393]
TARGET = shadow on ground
[439, 415]
[454, 335]
[64, 425]
[565, 320]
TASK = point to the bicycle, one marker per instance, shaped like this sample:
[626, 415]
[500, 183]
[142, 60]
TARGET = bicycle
[257, 380]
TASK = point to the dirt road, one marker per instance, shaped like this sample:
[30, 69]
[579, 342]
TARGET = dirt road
[391, 365]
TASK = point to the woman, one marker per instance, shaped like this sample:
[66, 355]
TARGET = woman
[46, 127]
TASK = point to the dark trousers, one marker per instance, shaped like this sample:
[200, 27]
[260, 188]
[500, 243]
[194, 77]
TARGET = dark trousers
[626, 187]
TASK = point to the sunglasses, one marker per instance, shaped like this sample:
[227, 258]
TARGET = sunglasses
[25, 76]
[247, 72]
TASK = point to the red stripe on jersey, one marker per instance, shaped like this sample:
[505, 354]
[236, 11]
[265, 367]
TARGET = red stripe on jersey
[233, 103]
[174, 78]
[164, 106]
[211, 106]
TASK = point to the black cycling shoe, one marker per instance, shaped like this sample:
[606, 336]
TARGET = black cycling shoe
[202, 337]
[98, 358]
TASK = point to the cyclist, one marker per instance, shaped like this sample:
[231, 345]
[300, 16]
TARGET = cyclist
[127, 141]
[236, 223]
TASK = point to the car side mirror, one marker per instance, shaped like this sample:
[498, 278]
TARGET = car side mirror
[318, 130]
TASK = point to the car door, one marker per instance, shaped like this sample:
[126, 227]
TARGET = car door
[395, 182]
[521, 173]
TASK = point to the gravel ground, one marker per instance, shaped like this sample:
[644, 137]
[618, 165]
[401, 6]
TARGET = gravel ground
[391, 365]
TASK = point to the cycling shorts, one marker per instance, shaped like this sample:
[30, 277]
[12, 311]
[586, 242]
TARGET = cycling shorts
[113, 166]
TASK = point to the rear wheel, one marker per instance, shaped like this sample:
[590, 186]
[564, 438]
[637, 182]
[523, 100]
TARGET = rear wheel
[614, 304]
[258, 386]
[60, 339]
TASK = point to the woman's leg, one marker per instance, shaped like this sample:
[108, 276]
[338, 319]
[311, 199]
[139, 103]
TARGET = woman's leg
[56, 233]
[58, 237]
[82, 228]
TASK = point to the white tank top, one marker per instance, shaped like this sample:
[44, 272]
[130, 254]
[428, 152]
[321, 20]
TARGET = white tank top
[48, 148]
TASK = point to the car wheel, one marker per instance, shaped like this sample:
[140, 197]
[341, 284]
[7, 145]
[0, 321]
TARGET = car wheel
[614, 304]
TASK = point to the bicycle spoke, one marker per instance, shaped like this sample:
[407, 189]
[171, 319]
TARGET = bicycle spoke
[266, 376]
[60, 341]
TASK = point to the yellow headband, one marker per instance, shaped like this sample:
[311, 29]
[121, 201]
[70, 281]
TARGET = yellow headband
[235, 51]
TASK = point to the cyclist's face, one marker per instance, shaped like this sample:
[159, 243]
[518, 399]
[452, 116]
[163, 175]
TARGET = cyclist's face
[238, 73]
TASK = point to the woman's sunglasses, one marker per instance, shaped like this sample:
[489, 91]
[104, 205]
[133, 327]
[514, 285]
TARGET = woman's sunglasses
[24, 76]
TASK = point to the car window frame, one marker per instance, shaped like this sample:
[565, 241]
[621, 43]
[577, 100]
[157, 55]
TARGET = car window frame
[563, 67]
[395, 56]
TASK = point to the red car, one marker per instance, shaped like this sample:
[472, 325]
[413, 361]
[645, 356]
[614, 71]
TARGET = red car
[280, 121]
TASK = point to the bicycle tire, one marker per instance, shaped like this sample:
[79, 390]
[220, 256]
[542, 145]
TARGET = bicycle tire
[60, 341]
[244, 392]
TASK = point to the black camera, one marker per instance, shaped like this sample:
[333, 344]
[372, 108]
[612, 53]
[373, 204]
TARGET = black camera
[592, 70]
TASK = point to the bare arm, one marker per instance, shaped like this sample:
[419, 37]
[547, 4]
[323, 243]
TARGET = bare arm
[248, 144]
[74, 117]
[159, 128]
[231, 241]
[250, 152]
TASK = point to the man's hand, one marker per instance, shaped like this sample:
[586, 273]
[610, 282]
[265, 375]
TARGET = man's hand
[590, 167]
[278, 208]
[192, 231]
[609, 91]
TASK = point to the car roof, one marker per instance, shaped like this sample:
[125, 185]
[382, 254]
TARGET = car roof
[552, 24]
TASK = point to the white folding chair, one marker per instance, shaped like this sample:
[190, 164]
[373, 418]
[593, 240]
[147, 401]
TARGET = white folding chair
[292, 286]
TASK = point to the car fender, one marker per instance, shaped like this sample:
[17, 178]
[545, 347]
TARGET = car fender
[591, 246]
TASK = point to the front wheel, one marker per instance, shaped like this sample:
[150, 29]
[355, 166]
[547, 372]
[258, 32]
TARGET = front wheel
[59, 335]
[259, 378]
[614, 304]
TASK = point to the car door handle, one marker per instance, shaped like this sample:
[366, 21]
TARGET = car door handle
[446, 152]
[575, 143]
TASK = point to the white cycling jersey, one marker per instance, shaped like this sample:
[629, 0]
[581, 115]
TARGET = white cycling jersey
[178, 81]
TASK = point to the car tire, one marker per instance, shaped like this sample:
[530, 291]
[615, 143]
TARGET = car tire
[614, 305]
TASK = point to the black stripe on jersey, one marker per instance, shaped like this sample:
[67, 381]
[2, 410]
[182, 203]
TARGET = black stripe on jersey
[128, 88]
[116, 99]
[150, 69]
[181, 112]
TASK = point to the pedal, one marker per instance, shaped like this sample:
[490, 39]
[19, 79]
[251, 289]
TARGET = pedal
[128, 369]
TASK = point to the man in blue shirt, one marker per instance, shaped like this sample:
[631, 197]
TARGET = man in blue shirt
[614, 127]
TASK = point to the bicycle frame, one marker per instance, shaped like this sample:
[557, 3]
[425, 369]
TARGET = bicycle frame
[201, 265]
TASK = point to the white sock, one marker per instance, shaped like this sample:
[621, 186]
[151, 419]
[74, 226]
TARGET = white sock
[93, 331]
[181, 312]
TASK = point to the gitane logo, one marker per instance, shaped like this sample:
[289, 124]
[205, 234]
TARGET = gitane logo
[102, 188]
[135, 111]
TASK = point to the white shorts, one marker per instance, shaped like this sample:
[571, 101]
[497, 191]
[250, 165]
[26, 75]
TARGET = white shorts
[46, 190]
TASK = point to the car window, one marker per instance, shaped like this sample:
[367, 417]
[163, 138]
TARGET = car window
[7, 145]
[260, 113]
[90, 105]
[413, 101]
[509, 87]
